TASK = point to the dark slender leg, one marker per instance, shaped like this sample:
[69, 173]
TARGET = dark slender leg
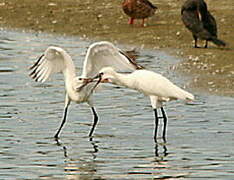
[195, 41]
[165, 123]
[156, 125]
[63, 122]
[143, 22]
[131, 21]
[95, 120]
[206, 45]
[156, 150]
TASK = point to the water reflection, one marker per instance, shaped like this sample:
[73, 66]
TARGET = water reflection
[60, 145]
[164, 152]
[199, 137]
[79, 168]
[95, 149]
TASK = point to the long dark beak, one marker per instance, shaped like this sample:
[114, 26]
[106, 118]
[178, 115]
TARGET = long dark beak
[89, 80]
[99, 76]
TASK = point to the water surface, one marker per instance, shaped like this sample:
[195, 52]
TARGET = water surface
[200, 137]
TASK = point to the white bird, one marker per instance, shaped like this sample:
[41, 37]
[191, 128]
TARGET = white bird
[152, 84]
[78, 89]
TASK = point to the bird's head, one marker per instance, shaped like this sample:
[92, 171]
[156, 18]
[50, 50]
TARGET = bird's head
[82, 82]
[53, 52]
[107, 74]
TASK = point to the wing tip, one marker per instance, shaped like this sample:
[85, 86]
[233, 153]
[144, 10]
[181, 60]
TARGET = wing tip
[131, 60]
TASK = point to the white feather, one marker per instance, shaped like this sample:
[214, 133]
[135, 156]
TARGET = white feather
[99, 55]
[103, 54]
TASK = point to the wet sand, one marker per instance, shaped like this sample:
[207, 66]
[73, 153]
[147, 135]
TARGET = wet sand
[212, 69]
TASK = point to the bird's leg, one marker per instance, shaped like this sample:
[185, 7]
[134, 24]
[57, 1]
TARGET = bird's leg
[131, 21]
[156, 150]
[67, 102]
[206, 45]
[165, 123]
[195, 41]
[143, 23]
[156, 125]
[95, 120]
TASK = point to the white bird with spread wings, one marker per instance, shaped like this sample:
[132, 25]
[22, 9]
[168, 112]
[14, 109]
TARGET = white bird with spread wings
[79, 89]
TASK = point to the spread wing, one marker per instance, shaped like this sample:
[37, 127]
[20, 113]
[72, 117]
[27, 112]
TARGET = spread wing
[54, 60]
[103, 54]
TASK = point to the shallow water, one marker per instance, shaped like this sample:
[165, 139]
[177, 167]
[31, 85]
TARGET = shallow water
[200, 137]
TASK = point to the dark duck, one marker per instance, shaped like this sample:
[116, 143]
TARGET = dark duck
[138, 9]
[200, 22]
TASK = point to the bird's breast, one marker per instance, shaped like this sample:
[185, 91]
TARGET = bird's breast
[78, 97]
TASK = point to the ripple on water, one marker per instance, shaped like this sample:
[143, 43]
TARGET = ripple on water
[200, 134]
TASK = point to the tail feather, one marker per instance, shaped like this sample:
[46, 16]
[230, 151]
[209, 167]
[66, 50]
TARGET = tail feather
[218, 42]
[188, 96]
[184, 95]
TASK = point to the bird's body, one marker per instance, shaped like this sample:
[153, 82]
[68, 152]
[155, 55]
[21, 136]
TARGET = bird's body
[200, 22]
[152, 84]
[138, 9]
[79, 89]
[210, 25]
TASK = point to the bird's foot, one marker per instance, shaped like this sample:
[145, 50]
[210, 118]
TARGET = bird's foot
[90, 138]
[56, 137]
[131, 21]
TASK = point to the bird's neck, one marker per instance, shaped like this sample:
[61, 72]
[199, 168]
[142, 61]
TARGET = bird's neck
[68, 75]
[69, 72]
[123, 80]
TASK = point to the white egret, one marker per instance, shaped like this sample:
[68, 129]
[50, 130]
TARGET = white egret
[78, 89]
[152, 84]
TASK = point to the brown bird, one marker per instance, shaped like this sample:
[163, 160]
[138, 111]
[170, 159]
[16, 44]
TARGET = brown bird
[200, 22]
[138, 9]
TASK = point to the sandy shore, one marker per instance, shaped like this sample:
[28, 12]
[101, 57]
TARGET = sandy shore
[212, 69]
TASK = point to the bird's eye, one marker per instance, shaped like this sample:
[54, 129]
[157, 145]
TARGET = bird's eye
[80, 79]
[101, 73]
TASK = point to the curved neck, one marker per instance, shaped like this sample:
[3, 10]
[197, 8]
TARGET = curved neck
[69, 70]
[123, 79]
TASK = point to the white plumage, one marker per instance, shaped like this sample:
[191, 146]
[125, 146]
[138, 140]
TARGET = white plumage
[152, 84]
[78, 89]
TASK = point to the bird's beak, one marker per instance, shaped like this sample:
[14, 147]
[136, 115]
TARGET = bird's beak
[98, 76]
[86, 81]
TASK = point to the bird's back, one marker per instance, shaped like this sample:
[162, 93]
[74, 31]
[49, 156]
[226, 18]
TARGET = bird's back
[192, 22]
[190, 15]
[138, 8]
[209, 24]
[151, 83]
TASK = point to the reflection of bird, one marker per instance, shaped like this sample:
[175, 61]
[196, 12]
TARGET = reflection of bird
[154, 85]
[78, 89]
[138, 9]
[200, 22]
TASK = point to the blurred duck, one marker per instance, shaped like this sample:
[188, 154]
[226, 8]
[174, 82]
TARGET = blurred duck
[138, 9]
[200, 22]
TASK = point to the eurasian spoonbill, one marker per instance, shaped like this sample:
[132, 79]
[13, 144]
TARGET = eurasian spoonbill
[79, 89]
[152, 84]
